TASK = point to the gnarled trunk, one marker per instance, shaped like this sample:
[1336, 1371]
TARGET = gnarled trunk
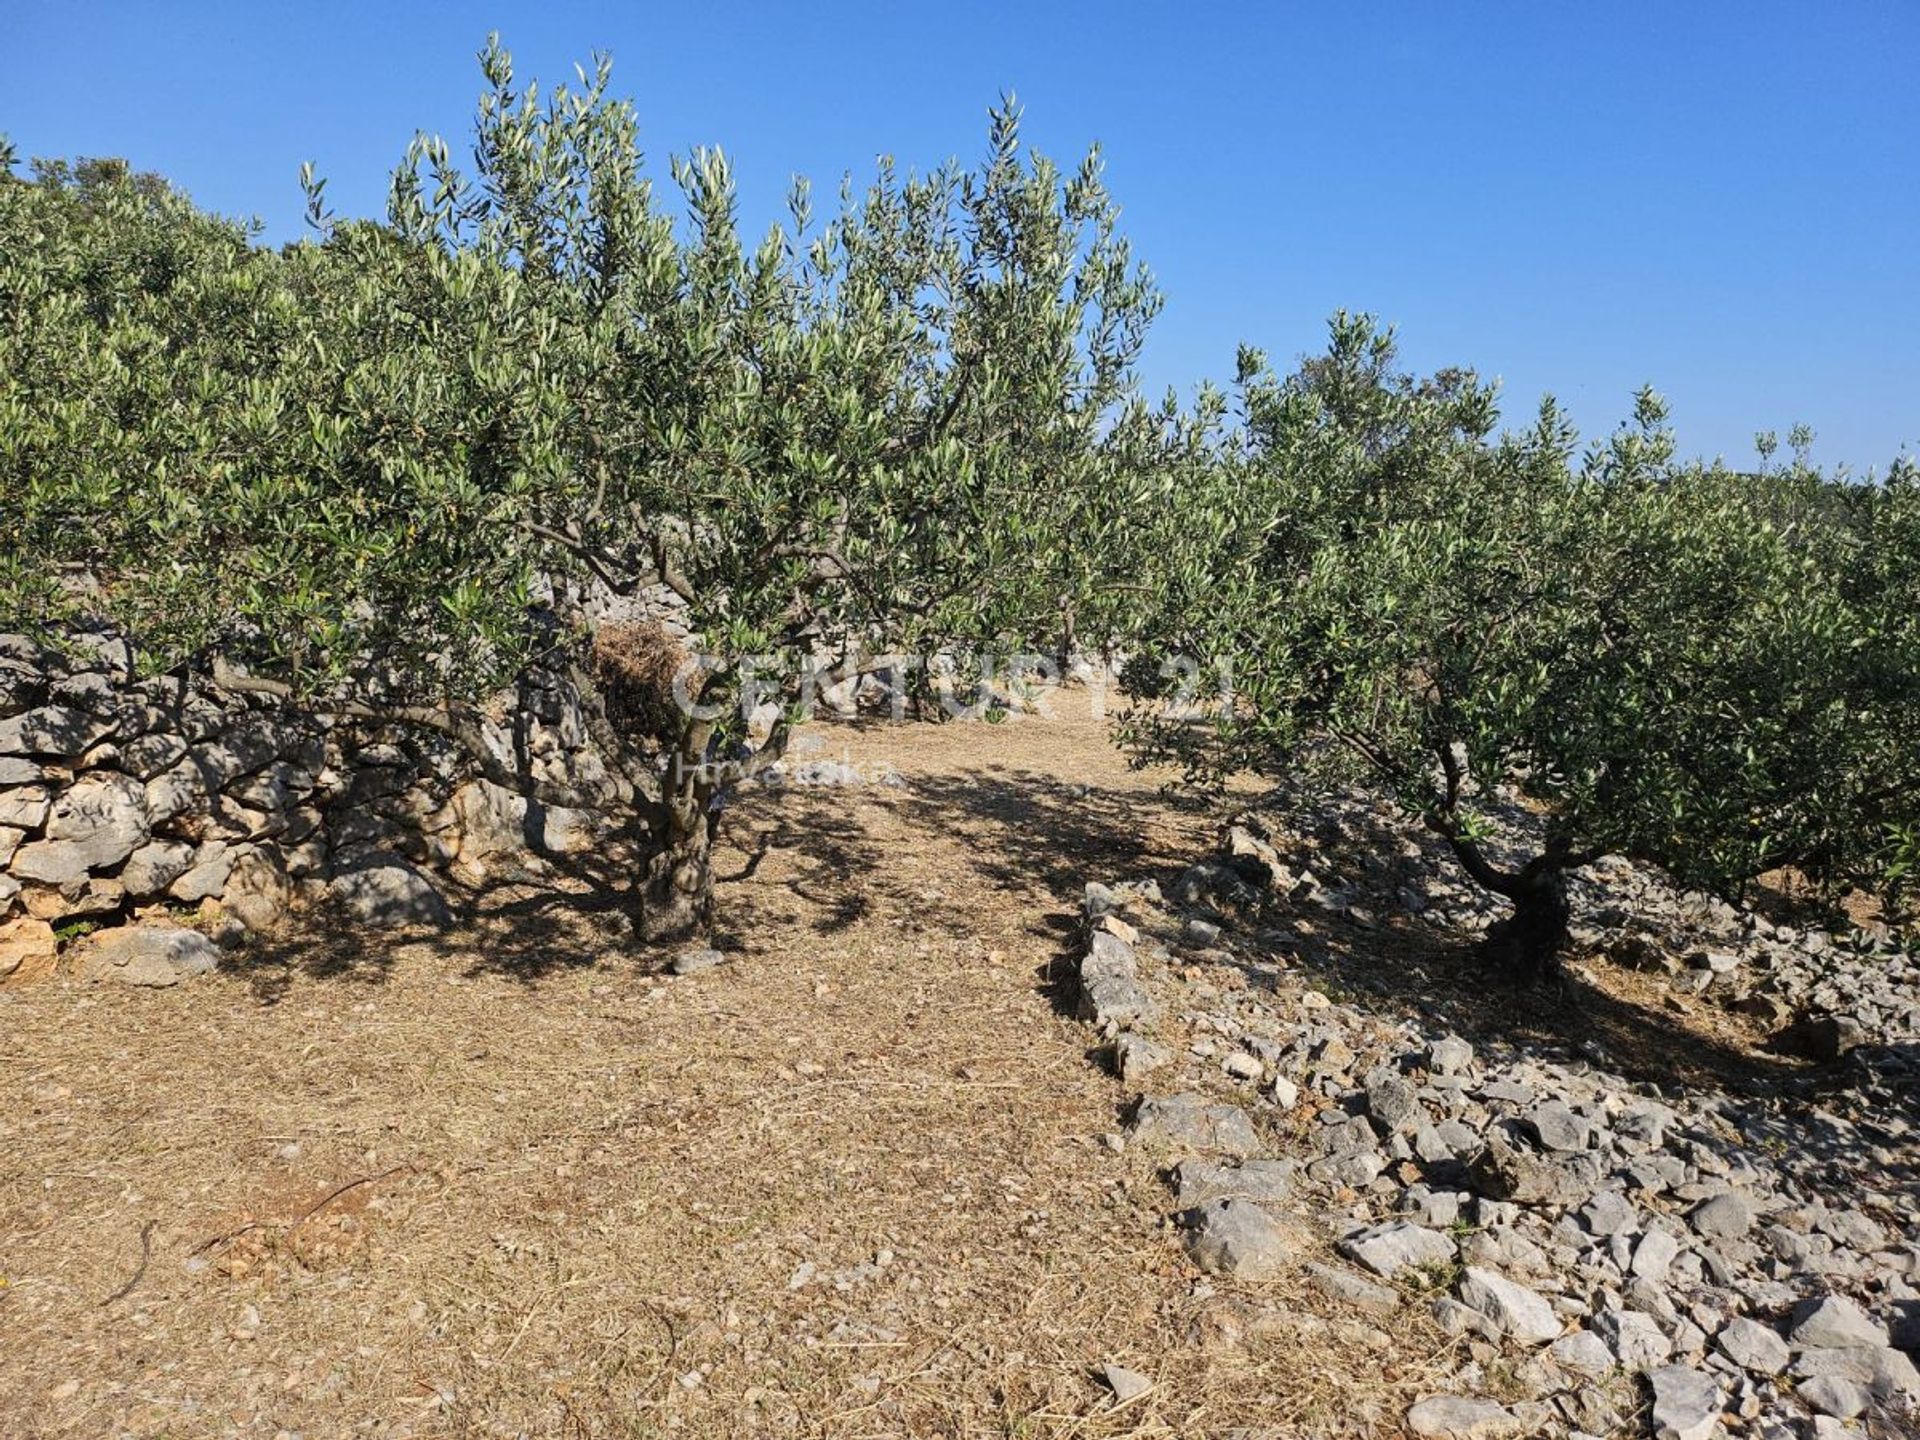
[1527, 943]
[675, 893]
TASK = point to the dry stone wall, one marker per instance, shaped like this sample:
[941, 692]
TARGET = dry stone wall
[121, 794]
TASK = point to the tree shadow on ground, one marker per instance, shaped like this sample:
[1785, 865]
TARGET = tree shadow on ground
[576, 911]
[1036, 830]
[1409, 965]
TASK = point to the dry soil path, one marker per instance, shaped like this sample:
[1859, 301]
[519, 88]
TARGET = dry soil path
[504, 1181]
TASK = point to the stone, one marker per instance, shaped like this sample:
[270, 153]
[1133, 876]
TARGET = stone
[1436, 1209]
[1388, 1249]
[1505, 1171]
[1854, 1229]
[1835, 1322]
[1135, 1057]
[1517, 1312]
[1723, 1217]
[1196, 1182]
[176, 792]
[27, 950]
[1556, 1127]
[151, 956]
[1823, 1038]
[1191, 1122]
[155, 866]
[25, 808]
[1754, 1347]
[258, 891]
[58, 863]
[1583, 1352]
[1610, 1213]
[1200, 934]
[149, 755]
[692, 962]
[1449, 1056]
[1391, 1101]
[1835, 1395]
[1253, 858]
[1654, 1256]
[1637, 1341]
[103, 815]
[52, 730]
[1355, 1290]
[1111, 995]
[1354, 1169]
[1460, 1417]
[1686, 1403]
[15, 771]
[206, 878]
[1126, 1384]
[1238, 1238]
[1242, 1066]
[382, 889]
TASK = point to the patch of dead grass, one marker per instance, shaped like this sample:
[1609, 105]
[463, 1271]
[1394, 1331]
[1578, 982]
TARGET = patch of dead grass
[852, 1184]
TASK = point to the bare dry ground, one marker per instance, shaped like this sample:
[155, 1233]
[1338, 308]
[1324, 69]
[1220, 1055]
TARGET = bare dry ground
[509, 1181]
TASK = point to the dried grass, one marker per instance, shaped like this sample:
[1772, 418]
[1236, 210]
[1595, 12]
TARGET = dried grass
[509, 1182]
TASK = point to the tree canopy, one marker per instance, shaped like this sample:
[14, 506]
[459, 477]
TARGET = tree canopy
[355, 469]
[1713, 671]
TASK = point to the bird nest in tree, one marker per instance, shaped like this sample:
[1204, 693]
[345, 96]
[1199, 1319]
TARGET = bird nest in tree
[634, 667]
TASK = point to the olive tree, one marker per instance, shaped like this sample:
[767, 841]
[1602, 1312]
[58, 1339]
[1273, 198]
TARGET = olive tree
[368, 473]
[1675, 662]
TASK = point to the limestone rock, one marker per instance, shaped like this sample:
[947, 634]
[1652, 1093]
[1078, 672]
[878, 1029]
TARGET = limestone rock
[1637, 1340]
[1191, 1122]
[692, 962]
[1686, 1403]
[56, 863]
[103, 816]
[1395, 1246]
[1505, 1171]
[1835, 1395]
[1238, 1238]
[25, 808]
[382, 889]
[1110, 991]
[1135, 1057]
[1355, 1290]
[155, 866]
[1722, 1217]
[258, 891]
[1516, 1311]
[1556, 1127]
[52, 730]
[153, 956]
[1754, 1347]
[206, 878]
[1126, 1384]
[27, 950]
[1198, 1182]
[1459, 1417]
[1835, 1322]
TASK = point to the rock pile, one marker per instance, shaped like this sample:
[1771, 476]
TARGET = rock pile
[1711, 1262]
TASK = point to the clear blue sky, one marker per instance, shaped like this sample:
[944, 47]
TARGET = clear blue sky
[1722, 199]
